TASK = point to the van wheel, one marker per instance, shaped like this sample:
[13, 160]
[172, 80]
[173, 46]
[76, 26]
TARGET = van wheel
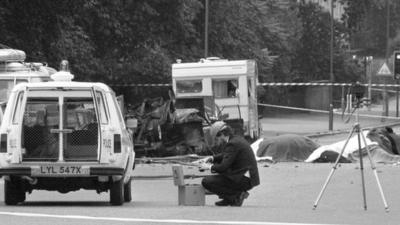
[13, 193]
[127, 192]
[117, 192]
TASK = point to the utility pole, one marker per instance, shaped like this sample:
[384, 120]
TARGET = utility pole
[369, 77]
[385, 96]
[206, 30]
[331, 78]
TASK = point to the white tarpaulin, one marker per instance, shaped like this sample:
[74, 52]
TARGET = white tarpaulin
[351, 147]
[255, 147]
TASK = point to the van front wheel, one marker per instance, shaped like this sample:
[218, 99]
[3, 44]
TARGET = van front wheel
[13, 193]
[128, 191]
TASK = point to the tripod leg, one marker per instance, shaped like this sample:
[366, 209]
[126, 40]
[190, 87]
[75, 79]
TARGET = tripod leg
[333, 169]
[361, 169]
[375, 172]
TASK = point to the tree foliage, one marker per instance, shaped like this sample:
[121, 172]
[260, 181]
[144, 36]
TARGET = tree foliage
[367, 25]
[131, 41]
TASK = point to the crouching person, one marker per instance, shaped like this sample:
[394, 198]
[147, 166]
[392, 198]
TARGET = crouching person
[236, 167]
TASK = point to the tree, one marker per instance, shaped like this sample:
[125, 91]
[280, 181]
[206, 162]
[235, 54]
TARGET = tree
[366, 21]
[311, 61]
[130, 41]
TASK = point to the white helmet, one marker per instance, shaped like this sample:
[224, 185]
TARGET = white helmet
[217, 127]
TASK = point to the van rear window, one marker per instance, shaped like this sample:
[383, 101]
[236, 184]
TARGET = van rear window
[42, 112]
[78, 112]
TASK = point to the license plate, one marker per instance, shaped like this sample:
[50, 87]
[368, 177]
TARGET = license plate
[54, 170]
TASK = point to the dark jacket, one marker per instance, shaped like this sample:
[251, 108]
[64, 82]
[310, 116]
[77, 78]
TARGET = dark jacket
[235, 160]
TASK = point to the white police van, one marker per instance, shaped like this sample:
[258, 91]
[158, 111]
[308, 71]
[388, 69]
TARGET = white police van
[14, 70]
[65, 136]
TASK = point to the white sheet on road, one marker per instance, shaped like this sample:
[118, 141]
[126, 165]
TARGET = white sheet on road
[351, 147]
[255, 147]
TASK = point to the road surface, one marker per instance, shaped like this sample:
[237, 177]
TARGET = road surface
[286, 196]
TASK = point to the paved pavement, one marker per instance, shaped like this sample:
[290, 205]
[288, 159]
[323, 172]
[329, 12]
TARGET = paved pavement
[315, 124]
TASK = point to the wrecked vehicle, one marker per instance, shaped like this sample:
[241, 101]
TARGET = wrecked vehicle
[202, 93]
[162, 130]
[64, 136]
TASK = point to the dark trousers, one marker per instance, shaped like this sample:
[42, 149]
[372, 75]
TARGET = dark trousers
[224, 187]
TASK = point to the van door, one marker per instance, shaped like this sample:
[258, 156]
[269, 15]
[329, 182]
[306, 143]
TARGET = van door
[15, 145]
[80, 128]
[41, 118]
[107, 129]
[60, 128]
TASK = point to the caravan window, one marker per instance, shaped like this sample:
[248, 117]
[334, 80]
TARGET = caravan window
[189, 86]
[225, 88]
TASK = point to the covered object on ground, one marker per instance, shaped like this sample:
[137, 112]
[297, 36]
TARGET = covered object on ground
[284, 148]
[384, 146]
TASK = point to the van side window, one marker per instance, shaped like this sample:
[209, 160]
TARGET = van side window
[18, 107]
[117, 107]
[102, 107]
[225, 88]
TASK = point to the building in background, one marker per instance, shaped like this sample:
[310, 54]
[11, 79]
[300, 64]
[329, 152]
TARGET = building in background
[338, 10]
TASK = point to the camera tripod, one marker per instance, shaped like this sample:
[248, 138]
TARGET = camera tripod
[356, 129]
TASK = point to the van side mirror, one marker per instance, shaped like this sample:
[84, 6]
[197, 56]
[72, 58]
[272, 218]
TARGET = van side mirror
[131, 123]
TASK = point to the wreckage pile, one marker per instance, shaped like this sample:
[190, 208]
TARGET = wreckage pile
[164, 130]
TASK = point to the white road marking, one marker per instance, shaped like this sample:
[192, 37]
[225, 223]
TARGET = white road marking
[142, 220]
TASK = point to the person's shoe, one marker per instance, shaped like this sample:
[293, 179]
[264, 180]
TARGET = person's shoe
[239, 200]
[223, 202]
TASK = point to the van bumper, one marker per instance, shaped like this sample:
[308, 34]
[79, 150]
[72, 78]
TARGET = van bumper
[93, 171]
